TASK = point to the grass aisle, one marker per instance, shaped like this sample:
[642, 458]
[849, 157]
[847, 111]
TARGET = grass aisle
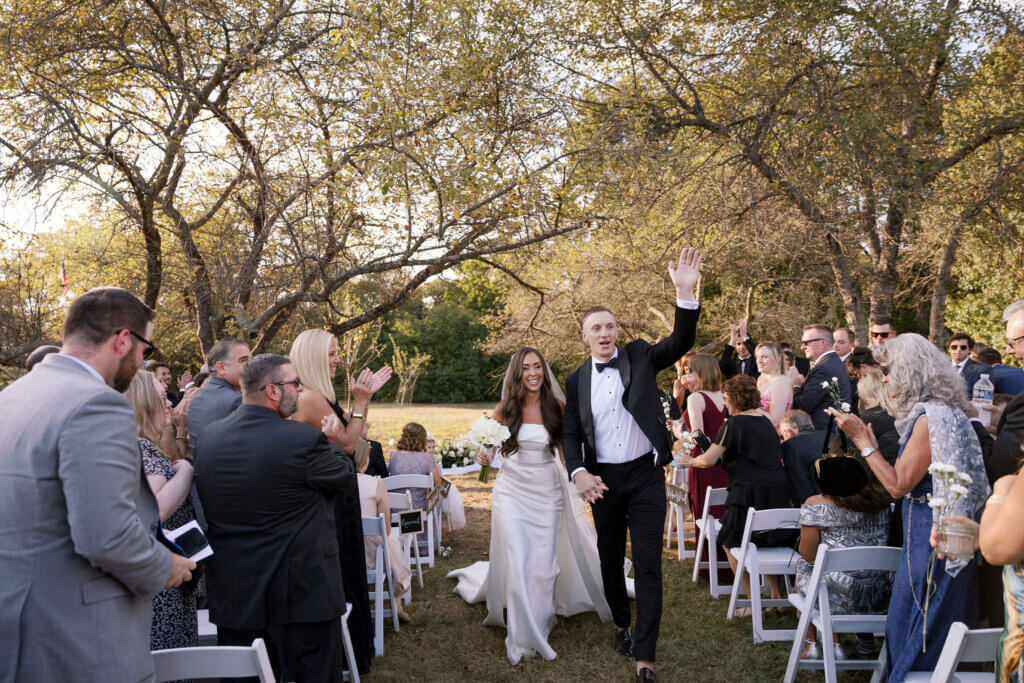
[447, 641]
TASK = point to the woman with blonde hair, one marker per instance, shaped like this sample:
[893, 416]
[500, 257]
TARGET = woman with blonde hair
[314, 355]
[775, 386]
[174, 609]
[877, 410]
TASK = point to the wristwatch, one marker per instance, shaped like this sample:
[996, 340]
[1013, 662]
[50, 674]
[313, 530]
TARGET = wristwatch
[865, 452]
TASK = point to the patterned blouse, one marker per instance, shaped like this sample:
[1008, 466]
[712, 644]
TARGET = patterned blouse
[848, 592]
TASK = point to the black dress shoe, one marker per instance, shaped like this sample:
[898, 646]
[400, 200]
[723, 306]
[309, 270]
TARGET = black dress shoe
[624, 642]
[646, 675]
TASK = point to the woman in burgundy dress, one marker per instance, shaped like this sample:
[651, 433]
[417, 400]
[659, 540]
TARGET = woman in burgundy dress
[705, 411]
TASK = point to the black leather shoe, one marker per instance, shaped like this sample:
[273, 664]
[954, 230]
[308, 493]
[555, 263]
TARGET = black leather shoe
[624, 642]
[646, 675]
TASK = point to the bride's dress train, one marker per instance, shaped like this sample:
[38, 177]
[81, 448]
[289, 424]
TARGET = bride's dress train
[543, 551]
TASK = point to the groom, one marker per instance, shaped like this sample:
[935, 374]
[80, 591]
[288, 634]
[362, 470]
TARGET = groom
[616, 447]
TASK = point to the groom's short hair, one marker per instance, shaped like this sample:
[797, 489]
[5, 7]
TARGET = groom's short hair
[592, 310]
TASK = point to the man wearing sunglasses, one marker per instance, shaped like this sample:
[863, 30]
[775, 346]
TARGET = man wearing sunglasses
[268, 486]
[959, 347]
[881, 330]
[79, 560]
[810, 394]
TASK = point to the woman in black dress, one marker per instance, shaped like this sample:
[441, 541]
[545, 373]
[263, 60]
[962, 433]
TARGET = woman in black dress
[314, 354]
[748, 447]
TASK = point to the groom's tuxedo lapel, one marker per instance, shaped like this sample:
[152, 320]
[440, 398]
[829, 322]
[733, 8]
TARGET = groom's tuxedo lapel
[586, 410]
[624, 371]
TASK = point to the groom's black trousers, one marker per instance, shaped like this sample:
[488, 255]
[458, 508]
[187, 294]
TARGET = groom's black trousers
[635, 500]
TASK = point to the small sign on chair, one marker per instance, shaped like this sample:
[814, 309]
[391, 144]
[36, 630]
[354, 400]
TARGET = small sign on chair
[675, 494]
[410, 522]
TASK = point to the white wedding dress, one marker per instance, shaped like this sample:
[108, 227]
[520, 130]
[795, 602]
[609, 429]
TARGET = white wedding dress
[543, 557]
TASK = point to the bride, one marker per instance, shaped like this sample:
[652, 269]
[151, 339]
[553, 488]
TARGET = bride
[543, 548]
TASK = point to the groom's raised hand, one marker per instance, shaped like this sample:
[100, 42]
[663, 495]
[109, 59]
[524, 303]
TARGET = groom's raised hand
[590, 487]
[685, 273]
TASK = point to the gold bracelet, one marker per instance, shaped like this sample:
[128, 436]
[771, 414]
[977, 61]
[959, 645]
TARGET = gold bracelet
[995, 499]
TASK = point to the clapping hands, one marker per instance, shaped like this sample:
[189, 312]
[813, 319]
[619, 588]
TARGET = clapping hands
[369, 383]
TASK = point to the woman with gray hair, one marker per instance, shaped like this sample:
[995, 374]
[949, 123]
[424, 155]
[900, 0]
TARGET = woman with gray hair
[929, 399]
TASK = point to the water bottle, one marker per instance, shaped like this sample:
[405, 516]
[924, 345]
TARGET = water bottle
[982, 396]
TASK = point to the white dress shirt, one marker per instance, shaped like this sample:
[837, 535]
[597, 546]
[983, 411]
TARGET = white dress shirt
[617, 437]
[960, 366]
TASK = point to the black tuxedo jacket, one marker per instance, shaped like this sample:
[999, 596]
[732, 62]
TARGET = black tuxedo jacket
[731, 365]
[1006, 454]
[639, 364]
[798, 454]
[813, 398]
[267, 485]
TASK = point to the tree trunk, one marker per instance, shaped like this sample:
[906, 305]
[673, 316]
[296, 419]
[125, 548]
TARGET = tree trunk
[937, 317]
[844, 282]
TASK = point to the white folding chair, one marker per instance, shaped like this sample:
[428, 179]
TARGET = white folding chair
[675, 519]
[400, 502]
[762, 562]
[207, 631]
[962, 645]
[352, 672]
[376, 578]
[709, 527]
[814, 608]
[399, 483]
[214, 662]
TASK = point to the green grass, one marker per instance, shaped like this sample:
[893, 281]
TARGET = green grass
[447, 642]
[444, 420]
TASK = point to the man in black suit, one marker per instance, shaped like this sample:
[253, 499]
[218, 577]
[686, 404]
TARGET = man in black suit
[959, 347]
[267, 485]
[802, 444]
[738, 355]
[1006, 451]
[810, 393]
[616, 446]
[219, 396]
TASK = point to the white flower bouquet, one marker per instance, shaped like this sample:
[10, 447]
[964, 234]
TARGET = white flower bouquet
[486, 433]
[454, 454]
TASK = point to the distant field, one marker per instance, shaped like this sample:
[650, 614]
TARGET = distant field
[443, 420]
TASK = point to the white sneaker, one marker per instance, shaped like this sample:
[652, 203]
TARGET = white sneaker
[840, 654]
[811, 650]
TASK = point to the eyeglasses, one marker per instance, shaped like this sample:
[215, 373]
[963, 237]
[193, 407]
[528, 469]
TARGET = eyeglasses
[1013, 342]
[297, 382]
[880, 335]
[958, 347]
[808, 342]
[150, 349]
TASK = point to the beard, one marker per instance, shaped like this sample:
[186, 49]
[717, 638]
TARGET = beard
[126, 370]
[288, 405]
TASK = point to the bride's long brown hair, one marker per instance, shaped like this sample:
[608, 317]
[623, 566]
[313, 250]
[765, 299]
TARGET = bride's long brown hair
[551, 409]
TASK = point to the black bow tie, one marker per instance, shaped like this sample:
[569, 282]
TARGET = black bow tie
[613, 363]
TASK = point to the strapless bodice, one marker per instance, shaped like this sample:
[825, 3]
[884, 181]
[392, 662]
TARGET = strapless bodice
[533, 445]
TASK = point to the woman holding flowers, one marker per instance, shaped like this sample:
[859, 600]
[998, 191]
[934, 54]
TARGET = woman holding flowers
[939, 468]
[543, 549]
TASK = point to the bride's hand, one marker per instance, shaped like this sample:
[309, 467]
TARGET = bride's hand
[483, 458]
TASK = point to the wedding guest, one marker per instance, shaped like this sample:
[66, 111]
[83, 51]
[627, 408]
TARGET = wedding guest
[773, 383]
[705, 411]
[39, 354]
[162, 371]
[802, 365]
[851, 510]
[748, 447]
[1006, 380]
[811, 393]
[738, 355]
[200, 379]
[859, 358]
[170, 478]
[373, 501]
[410, 457]
[881, 330]
[877, 410]
[220, 395]
[1009, 429]
[802, 446]
[844, 341]
[79, 562]
[314, 354]
[431, 443]
[268, 485]
[959, 347]
[680, 392]
[929, 399]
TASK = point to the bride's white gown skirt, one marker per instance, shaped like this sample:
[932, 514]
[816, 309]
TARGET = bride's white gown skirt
[543, 556]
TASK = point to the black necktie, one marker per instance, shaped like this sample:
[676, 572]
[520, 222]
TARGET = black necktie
[613, 363]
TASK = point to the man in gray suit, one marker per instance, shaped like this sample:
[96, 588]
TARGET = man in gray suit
[79, 561]
[220, 395]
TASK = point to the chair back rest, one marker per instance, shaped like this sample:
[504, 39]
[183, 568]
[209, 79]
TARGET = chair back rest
[400, 501]
[713, 497]
[964, 645]
[864, 557]
[775, 518]
[375, 526]
[214, 662]
[408, 481]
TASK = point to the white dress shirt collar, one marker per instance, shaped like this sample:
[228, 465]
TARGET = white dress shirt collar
[596, 361]
[91, 369]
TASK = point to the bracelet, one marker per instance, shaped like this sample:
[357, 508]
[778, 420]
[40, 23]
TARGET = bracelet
[181, 438]
[995, 499]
